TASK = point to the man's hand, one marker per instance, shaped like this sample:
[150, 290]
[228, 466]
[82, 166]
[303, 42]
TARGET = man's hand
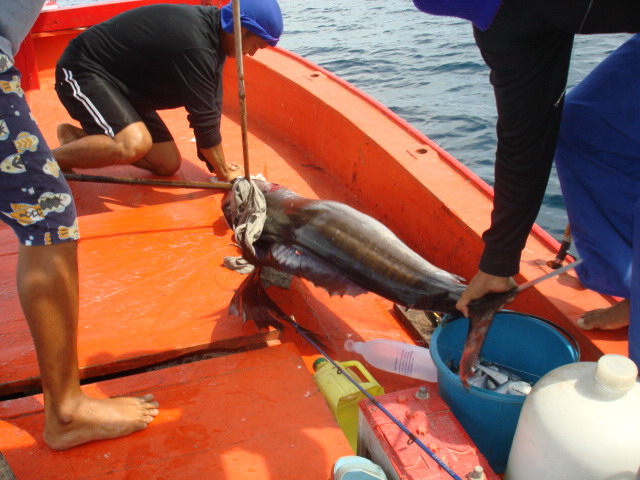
[215, 158]
[480, 285]
[233, 171]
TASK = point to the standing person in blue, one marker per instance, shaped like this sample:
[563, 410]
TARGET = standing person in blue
[36, 203]
[114, 77]
[598, 163]
[527, 45]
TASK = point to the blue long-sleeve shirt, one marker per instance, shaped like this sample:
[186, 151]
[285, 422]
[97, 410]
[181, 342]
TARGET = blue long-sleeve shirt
[479, 12]
[16, 20]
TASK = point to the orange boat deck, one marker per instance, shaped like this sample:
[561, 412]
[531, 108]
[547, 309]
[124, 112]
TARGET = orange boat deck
[153, 288]
[231, 417]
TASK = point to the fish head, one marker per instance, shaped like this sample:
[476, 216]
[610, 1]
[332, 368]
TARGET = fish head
[233, 205]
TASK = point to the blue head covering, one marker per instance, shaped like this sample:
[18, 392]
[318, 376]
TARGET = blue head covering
[261, 17]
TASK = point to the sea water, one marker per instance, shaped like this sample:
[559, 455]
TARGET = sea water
[426, 69]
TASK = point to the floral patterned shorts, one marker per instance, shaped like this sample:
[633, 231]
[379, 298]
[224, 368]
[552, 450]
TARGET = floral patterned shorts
[35, 199]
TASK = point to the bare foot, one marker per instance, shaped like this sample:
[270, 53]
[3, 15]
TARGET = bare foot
[67, 133]
[92, 419]
[616, 316]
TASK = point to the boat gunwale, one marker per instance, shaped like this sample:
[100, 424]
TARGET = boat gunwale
[537, 230]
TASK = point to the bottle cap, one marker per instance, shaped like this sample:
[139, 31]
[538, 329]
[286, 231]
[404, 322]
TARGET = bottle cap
[349, 345]
[318, 362]
[616, 372]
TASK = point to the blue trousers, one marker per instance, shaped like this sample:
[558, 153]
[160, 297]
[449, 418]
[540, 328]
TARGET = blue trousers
[598, 163]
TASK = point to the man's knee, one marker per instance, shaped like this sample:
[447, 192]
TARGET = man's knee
[132, 144]
[162, 159]
[164, 170]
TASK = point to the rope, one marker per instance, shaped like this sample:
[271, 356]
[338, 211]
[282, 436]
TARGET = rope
[5, 470]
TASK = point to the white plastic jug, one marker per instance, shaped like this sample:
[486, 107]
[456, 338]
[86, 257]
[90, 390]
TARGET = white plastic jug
[580, 421]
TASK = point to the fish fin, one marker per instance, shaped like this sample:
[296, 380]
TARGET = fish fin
[481, 313]
[310, 267]
[251, 302]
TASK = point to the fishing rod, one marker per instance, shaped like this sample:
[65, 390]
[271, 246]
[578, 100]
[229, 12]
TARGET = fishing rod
[80, 177]
[411, 435]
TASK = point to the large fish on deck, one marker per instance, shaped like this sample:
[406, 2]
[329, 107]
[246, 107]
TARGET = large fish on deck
[346, 252]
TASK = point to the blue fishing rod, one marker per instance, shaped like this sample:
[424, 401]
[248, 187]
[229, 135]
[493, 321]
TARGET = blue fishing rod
[409, 433]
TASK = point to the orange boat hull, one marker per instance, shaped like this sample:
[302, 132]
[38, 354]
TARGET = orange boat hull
[153, 288]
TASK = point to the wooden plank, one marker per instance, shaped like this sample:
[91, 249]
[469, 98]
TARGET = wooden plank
[243, 416]
[152, 288]
[418, 323]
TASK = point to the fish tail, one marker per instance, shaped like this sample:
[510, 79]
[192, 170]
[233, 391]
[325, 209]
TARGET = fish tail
[444, 303]
[481, 313]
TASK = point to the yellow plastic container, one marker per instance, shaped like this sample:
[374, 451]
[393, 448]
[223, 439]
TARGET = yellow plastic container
[343, 396]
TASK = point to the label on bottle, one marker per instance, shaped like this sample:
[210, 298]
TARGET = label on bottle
[404, 364]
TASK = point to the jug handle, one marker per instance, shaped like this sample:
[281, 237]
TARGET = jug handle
[363, 371]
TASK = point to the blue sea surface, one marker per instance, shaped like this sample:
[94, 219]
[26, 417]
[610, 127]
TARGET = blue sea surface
[426, 69]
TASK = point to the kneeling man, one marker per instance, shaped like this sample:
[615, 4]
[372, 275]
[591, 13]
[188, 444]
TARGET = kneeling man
[114, 77]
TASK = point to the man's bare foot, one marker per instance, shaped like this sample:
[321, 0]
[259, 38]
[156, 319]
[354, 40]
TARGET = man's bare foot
[68, 133]
[616, 316]
[91, 419]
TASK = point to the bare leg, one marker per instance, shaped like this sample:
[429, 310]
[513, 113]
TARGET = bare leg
[79, 150]
[163, 159]
[48, 291]
[68, 133]
[609, 318]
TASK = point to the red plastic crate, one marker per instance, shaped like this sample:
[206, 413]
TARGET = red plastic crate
[432, 422]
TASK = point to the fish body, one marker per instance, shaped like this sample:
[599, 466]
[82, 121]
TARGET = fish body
[348, 252]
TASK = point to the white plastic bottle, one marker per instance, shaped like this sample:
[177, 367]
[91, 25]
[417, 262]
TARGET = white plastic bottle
[397, 357]
[580, 421]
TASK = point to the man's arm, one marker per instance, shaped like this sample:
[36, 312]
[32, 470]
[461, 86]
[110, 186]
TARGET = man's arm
[529, 76]
[214, 156]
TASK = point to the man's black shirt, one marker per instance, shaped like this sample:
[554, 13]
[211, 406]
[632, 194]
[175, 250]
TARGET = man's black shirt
[161, 56]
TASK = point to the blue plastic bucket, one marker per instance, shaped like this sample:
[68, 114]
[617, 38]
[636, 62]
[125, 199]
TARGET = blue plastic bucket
[529, 346]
